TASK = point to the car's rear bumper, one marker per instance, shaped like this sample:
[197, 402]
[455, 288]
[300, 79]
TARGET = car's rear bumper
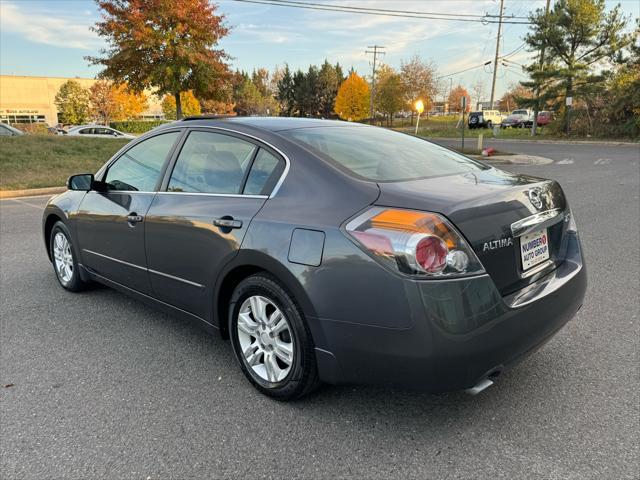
[462, 331]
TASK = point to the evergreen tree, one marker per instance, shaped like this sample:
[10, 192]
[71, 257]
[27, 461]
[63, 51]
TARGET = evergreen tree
[327, 88]
[577, 35]
[311, 91]
[299, 93]
[286, 94]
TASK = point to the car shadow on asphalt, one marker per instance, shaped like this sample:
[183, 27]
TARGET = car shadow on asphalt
[208, 360]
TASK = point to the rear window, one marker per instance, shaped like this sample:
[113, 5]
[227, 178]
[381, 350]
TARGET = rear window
[381, 155]
[520, 112]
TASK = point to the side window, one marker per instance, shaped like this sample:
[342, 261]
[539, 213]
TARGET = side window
[264, 174]
[86, 131]
[211, 163]
[139, 167]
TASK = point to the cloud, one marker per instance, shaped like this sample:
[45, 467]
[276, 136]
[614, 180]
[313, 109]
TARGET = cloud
[48, 28]
[265, 33]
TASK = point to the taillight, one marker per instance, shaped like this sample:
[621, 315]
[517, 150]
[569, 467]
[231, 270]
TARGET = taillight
[415, 243]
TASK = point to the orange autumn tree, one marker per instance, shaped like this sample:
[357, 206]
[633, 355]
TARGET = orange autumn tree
[165, 46]
[190, 105]
[455, 99]
[352, 100]
[110, 102]
[131, 104]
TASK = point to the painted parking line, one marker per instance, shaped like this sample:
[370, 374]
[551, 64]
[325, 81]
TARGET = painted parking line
[602, 161]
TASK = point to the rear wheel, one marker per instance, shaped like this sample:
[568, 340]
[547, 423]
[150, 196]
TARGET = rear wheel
[271, 339]
[64, 258]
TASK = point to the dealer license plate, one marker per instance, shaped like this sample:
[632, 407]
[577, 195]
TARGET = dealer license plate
[534, 248]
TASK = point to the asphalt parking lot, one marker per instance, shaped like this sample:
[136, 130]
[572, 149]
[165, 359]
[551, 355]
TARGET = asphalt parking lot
[106, 387]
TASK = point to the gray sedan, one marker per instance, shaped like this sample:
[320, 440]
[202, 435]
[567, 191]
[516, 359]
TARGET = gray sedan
[327, 251]
[98, 131]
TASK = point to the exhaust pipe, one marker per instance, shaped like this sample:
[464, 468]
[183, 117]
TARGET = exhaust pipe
[481, 386]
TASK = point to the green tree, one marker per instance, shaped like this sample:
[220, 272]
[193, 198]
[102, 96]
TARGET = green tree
[72, 102]
[300, 93]
[390, 93]
[260, 79]
[189, 102]
[286, 94]
[352, 101]
[164, 45]
[339, 74]
[577, 35]
[328, 83]
[311, 91]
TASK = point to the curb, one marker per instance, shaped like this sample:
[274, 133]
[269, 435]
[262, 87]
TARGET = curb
[543, 142]
[515, 159]
[33, 192]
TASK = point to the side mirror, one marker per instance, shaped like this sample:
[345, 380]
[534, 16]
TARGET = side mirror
[82, 182]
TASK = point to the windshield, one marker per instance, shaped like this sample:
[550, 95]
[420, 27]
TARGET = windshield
[381, 155]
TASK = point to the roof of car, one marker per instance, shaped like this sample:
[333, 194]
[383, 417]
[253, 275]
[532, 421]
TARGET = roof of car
[273, 124]
[91, 125]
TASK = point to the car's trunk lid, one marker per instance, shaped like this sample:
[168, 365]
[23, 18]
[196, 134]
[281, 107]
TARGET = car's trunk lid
[489, 207]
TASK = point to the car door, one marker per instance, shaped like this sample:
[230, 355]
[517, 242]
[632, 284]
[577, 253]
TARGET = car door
[110, 224]
[196, 224]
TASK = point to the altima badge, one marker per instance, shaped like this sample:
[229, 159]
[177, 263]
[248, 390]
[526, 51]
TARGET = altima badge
[495, 244]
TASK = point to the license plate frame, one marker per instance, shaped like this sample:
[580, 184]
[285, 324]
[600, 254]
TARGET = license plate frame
[534, 249]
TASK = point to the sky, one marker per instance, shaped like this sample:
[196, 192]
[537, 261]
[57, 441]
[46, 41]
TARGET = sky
[51, 38]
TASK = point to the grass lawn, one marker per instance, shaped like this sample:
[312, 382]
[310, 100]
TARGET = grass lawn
[445, 127]
[34, 161]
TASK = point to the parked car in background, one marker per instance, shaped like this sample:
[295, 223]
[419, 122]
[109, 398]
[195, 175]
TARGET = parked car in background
[98, 131]
[9, 131]
[544, 118]
[484, 119]
[327, 251]
[518, 119]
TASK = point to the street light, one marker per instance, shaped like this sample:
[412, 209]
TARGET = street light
[419, 108]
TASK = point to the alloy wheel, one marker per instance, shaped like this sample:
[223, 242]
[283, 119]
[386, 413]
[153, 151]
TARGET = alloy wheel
[265, 339]
[63, 258]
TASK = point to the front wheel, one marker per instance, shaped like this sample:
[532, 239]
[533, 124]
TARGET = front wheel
[489, 124]
[271, 339]
[64, 258]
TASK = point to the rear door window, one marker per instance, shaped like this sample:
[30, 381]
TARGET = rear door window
[265, 173]
[211, 163]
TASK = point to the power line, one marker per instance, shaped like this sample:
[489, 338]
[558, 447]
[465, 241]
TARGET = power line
[515, 50]
[465, 70]
[387, 10]
[380, 12]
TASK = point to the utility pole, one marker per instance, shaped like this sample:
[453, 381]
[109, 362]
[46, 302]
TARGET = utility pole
[376, 51]
[536, 109]
[495, 61]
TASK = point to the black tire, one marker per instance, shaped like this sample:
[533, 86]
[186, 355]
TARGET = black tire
[302, 377]
[489, 124]
[73, 283]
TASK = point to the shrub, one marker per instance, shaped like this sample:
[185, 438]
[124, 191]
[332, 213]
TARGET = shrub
[137, 126]
[32, 128]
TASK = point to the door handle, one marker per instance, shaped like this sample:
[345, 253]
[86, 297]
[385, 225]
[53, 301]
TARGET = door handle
[227, 222]
[134, 218]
